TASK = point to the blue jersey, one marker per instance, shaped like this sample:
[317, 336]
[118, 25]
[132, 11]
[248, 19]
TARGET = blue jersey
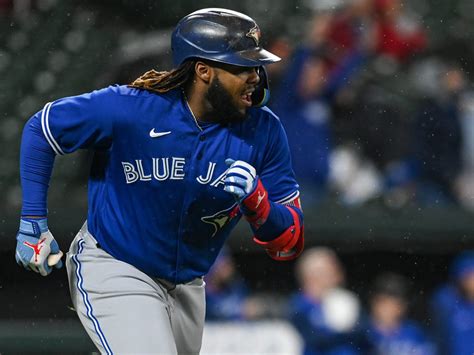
[453, 321]
[156, 197]
[319, 338]
[226, 302]
[407, 339]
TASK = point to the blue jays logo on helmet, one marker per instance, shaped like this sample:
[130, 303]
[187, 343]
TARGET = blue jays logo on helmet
[255, 34]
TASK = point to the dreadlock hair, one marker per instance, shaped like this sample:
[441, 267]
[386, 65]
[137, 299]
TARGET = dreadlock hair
[164, 81]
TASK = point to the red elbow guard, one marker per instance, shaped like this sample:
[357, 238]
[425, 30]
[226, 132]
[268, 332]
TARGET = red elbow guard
[288, 245]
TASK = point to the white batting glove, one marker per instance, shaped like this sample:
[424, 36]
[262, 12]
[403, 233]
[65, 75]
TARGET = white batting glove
[240, 179]
[36, 248]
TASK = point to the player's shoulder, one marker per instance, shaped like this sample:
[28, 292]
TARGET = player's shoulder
[114, 102]
[102, 95]
[127, 91]
[264, 113]
[117, 92]
[263, 117]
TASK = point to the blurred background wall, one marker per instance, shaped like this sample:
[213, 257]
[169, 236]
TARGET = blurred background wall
[377, 100]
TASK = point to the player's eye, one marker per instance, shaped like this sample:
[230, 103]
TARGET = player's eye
[248, 70]
[236, 69]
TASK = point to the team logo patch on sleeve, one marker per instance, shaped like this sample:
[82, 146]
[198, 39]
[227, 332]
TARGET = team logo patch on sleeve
[220, 219]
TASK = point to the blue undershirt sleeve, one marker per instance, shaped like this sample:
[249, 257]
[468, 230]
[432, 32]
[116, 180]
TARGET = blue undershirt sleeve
[36, 165]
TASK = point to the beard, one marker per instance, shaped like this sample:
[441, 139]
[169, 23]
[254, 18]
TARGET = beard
[223, 108]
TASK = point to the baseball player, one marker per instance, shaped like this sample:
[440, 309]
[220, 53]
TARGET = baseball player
[179, 157]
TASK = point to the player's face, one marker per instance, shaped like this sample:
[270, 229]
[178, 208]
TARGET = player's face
[387, 310]
[231, 90]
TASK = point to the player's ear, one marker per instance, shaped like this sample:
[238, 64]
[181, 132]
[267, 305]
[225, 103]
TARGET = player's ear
[203, 71]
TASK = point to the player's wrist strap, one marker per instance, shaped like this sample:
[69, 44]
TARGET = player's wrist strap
[33, 227]
[256, 206]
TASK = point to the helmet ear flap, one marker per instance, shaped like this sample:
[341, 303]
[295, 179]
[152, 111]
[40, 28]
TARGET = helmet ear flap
[261, 95]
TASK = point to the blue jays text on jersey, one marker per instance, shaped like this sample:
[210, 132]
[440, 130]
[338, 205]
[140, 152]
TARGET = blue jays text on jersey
[167, 168]
[156, 197]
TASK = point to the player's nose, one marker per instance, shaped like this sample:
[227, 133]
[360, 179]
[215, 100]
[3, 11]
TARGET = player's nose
[254, 78]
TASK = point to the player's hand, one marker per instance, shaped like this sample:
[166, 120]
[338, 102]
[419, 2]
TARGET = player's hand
[241, 179]
[36, 248]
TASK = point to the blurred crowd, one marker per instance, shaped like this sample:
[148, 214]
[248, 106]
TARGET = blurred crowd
[333, 320]
[372, 108]
[371, 112]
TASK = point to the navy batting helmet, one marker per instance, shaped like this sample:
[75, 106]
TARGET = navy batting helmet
[223, 36]
[220, 35]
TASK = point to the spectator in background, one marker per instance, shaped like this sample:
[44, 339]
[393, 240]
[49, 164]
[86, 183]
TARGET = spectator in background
[465, 183]
[438, 140]
[452, 309]
[390, 331]
[5, 6]
[227, 296]
[372, 125]
[316, 72]
[381, 124]
[281, 45]
[398, 35]
[326, 316]
[299, 98]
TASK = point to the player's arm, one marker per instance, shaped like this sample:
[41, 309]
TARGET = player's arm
[278, 227]
[61, 127]
[36, 249]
